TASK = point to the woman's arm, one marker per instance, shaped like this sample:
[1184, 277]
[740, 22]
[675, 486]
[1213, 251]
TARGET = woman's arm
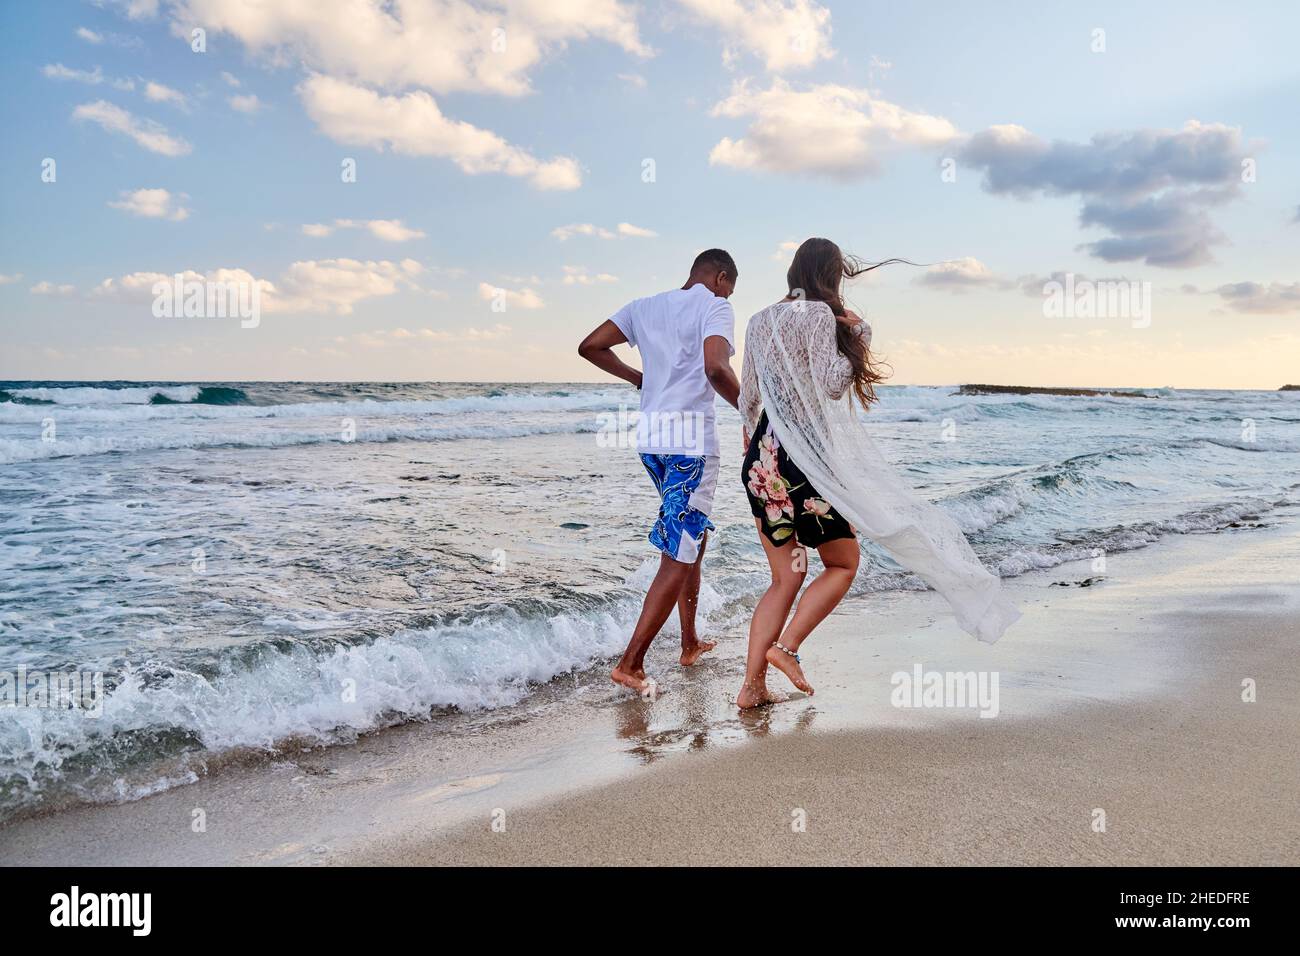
[831, 370]
[751, 401]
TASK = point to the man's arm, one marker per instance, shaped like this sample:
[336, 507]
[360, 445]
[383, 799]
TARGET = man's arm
[717, 366]
[598, 349]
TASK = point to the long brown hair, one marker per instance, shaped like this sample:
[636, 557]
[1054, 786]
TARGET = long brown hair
[817, 275]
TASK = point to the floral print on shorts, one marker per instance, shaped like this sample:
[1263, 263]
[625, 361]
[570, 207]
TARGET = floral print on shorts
[782, 498]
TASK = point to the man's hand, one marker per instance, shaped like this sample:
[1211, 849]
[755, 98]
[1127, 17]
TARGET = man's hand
[717, 366]
[598, 349]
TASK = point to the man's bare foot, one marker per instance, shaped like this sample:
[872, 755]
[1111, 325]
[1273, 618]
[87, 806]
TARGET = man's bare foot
[788, 666]
[696, 651]
[647, 687]
[629, 679]
[757, 696]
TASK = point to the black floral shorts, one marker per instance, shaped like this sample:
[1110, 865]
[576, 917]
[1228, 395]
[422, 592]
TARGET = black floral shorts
[783, 499]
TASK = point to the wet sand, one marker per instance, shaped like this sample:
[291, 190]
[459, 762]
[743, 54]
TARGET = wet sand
[1124, 696]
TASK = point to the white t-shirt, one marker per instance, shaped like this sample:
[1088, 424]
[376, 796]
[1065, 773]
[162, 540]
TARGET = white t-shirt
[669, 330]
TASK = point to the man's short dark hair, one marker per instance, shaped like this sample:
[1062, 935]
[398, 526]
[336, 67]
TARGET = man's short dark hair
[714, 260]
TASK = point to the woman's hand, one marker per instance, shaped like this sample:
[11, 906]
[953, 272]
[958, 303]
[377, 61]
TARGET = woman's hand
[855, 323]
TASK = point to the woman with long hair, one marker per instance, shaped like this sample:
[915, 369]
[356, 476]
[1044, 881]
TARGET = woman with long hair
[815, 479]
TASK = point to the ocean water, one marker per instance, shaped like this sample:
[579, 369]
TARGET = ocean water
[255, 565]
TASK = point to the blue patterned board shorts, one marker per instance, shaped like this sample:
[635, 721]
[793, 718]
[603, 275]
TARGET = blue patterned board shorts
[685, 484]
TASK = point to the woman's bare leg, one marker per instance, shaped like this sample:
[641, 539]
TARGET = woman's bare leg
[788, 564]
[840, 559]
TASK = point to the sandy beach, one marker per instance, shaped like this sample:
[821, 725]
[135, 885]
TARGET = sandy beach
[1124, 696]
[1185, 771]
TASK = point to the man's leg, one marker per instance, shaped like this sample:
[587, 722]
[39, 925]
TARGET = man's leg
[681, 532]
[687, 604]
[659, 600]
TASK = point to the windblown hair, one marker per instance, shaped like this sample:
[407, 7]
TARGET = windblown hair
[817, 274]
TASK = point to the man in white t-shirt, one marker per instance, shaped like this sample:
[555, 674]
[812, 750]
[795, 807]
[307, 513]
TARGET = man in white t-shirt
[686, 338]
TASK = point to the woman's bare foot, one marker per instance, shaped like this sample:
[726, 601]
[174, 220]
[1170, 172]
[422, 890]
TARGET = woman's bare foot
[788, 666]
[696, 651]
[757, 695]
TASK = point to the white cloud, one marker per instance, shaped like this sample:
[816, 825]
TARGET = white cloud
[230, 79]
[159, 93]
[138, 9]
[625, 229]
[147, 134]
[829, 130]
[373, 72]
[520, 298]
[580, 229]
[413, 125]
[960, 275]
[785, 250]
[330, 286]
[152, 204]
[336, 285]
[57, 71]
[49, 288]
[784, 34]
[9, 280]
[439, 45]
[634, 80]
[392, 230]
[138, 286]
[578, 275]
[245, 103]
[98, 38]
[389, 230]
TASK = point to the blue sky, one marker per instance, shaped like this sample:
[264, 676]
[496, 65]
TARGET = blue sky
[767, 121]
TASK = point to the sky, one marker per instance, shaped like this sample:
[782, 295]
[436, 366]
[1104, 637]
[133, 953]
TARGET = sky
[441, 190]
